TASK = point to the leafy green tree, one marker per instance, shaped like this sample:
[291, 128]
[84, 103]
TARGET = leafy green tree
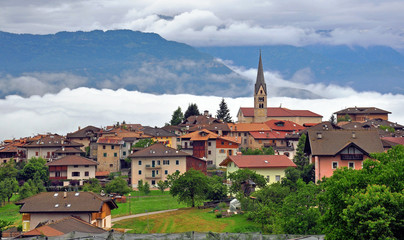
[190, 187]
[299, 213]
[177, 117]
[117, 185]
[224, 113]
[161, 185]
[339, 191]
[8, 170]
[93, 185]
[261, 151]
[345, 118]
[243, 175]
[373, 213]
[171, 178]
[35, 166]
[8, 187]
[144, 143]
[192, 110]
[3, 225]
[140, 186]
[146, 188]
[217, 190]
[25, 191]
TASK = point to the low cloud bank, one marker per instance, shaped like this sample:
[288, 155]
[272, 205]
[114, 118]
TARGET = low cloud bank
[65, 111]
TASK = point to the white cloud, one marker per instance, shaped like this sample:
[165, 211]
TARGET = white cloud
[65, 111]
[209, 22]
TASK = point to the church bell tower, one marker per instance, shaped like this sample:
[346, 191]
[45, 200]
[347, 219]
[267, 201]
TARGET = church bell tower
[260, 95]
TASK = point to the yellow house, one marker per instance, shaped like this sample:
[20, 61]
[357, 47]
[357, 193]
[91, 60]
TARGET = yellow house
[163, 136]
[272, 167]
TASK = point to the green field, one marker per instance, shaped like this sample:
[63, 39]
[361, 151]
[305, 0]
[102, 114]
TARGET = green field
[9, 212]
[185, 220]
[147, 203]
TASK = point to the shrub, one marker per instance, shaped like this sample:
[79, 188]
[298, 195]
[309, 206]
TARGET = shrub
[219, 214]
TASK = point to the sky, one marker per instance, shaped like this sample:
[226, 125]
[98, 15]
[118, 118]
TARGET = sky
[198, 23]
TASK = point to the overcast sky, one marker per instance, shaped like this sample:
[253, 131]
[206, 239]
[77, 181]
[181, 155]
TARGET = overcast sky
[213, 22]
[198, 23]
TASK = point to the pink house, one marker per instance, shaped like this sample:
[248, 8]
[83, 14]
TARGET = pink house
[332, 149]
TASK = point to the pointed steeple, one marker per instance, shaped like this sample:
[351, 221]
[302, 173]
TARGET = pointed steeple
[260, 78]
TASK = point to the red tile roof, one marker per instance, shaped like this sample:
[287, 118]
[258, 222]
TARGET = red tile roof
[259, 161]
[284, 125]
[102, 174]
[72, 160]
[110, 140]
[281, 112]
[247, 127]
[398, 140]
[268, 135]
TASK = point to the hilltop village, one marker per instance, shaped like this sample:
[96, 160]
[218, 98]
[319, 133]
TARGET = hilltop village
[266, 140]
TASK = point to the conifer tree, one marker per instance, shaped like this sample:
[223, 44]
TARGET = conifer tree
[177, 117]
[191, 111]
[224, 113]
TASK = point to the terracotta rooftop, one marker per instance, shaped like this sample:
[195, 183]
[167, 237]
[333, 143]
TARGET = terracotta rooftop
[259, 161]
[248, 127]
[110, 140]
[52, 140]
[72, 160]
[284, 125]
[86, 132]
[56, 202]
[396, 140]
[159, 150]
[268, 135]
[200, 135]
[280, 112]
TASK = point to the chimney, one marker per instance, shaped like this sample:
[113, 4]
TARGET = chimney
[353, 135]
[206, 113]
[79, 127]
[239, 153]
[319, 135]
[64, 194]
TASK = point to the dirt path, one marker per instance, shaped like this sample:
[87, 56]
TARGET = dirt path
[140, 215]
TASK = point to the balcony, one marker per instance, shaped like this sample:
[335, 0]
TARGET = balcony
[148, 166]
[351, 156]
[153, 176]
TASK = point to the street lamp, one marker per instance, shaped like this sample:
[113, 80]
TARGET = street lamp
[130, 209]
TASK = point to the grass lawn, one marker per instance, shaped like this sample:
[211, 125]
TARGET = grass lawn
[9, 212]
[185, 220]
[149, 203]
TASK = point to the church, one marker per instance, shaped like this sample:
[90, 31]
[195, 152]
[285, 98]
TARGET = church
[261, 112]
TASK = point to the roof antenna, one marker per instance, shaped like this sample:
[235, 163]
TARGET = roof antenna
[280, 106]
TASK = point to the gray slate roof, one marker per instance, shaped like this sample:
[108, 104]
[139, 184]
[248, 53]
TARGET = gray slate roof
[159, 150]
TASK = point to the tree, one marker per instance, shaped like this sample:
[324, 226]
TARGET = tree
[161, 185]
[191, 111]
[217, 190]
[8, 187]
[190, 187]
[3, 225]
[261, 151]
[35, 166]
[140, 186]
[8, 170]
[93, 185]
[223, 113]
[25, 191]
[241, 176]
[146, 188]
[177, 117]
[143, 143]
[333, 120]
[117, 185]
[171, 178]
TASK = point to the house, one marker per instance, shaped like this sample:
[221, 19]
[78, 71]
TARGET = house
[86, 136]
[272, 167]
[241, 131]
[46, 146]
[332, 149]
[62, 227]
[162, 136]
[261, 113]
[210, 146]
[72, 168]
[205, 121]
[109, 153]
[360, 114]
[384, 127]
[156, 162]
[53, 206]
[9, 150]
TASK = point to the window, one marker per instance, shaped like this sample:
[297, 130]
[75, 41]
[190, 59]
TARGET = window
[112, 147]
[86, 166]
[210, 162]
[209, 144]
[334, 165]
[75, 166]
[277, 178]
[153, 182]
[103, 146]
[165, 172]
[115, 154]
[140, 172]
[124, 144]
[124, 153]
[230, 143]
[209, 152]
[138, 182]
[105, 154]
[222, 151]
[86, 174]
[158, 162]
[222, 143]
[245, 134]
[36, 153]
[166, 162]
[245, 141]
[351, 165]
[177, 162]
[111, 165]
[267, 178]
[140, 162]
[57, 174]
[75, 174]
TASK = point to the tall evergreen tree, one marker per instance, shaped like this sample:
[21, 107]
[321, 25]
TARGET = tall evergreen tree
[177, 117]
[191, 111]
[224, 113]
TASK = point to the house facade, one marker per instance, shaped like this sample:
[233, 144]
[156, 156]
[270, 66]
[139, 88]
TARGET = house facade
[156, 162]
[108, 153]
[361, 114]
[332, 149]
[53, 206]
[272, 167]
[72, 168]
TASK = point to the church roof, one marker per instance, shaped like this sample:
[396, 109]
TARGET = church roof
[280, 112]
[260, 78]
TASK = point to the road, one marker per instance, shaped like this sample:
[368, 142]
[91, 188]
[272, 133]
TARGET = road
[140, 215]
